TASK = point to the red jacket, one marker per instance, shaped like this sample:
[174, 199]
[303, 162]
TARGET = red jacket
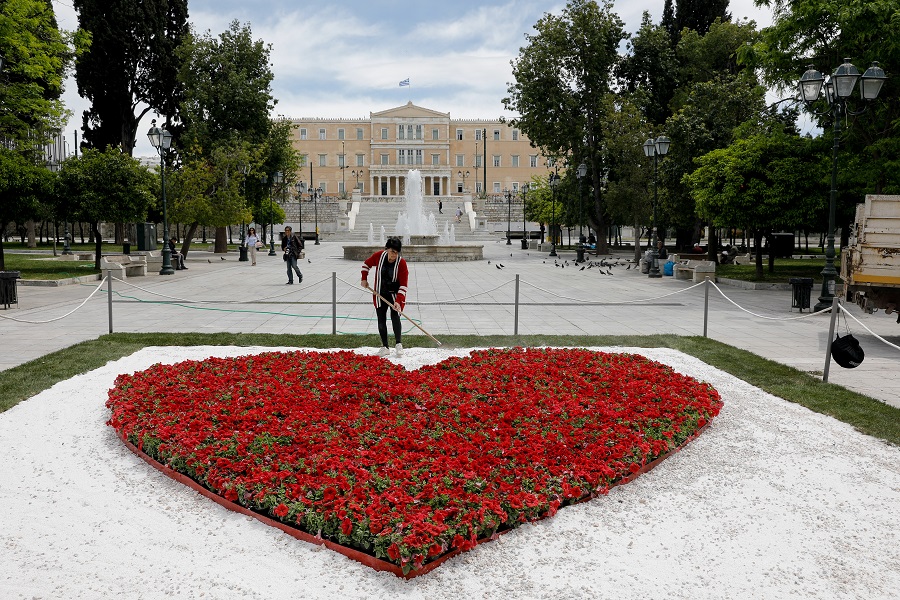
[400, 275]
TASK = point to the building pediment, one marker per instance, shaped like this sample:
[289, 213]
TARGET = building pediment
[409, 111]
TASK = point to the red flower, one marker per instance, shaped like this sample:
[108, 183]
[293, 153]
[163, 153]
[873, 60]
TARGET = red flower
[346, 527]
[280, 511]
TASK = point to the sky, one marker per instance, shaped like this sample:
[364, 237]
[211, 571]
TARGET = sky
[345, 60]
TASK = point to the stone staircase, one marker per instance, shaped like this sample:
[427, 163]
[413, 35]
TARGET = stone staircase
[385, 214]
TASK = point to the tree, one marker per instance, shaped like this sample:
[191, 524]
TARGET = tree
[227, 102]
[699, 15]
[649, 71]
[758, 183]
[25, 189]
[105, 185]
[562, 80]
[131, 66]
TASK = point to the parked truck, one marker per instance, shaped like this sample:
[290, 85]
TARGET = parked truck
[870, 265]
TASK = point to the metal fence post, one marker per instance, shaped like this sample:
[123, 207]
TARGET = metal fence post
[109, 280]
[706, 306]
[333, 303]
[834, 311]
[516, 316]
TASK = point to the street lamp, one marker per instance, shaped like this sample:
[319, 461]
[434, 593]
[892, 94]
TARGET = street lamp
[554, 181]
[245, 170]
[654, 149]
[162, 141]
[524, 226]
[838, 90]
[357, 174]
[509, 196]
[580, 173]
[315, 194]
[463, 176]
[301, 189]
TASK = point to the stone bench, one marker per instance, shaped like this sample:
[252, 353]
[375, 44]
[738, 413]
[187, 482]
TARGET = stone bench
[124, 265]
[696, 270]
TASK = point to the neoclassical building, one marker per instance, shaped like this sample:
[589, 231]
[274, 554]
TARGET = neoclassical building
[375, 154]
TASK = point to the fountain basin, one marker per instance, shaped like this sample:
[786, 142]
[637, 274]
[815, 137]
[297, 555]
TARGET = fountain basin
[421, 253]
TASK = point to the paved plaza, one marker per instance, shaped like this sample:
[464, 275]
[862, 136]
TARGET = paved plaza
[217, 295]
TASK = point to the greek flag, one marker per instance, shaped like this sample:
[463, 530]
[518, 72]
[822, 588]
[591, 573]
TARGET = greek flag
[405, 82]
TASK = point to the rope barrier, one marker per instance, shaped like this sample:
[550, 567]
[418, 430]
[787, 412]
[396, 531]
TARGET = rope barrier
[102, 281]
[878, 337]
[595, 303]
[439, 302]
[177, 299]
[750, 312]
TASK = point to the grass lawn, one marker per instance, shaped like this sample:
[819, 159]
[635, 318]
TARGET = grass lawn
[785, 269]
[866, 414]
[42, 266]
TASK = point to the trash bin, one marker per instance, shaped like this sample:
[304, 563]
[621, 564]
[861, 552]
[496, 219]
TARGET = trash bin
[783, 244]
[126, 247]
[580, 253]
[8, 288]
[802, 290]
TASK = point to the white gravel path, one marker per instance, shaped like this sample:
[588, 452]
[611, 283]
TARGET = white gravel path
[772, 501]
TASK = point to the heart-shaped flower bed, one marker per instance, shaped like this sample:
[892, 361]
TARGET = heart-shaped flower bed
[408, 466]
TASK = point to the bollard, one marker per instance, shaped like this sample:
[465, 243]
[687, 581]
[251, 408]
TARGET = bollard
[333, 303]
[705, 306]
[109, 298]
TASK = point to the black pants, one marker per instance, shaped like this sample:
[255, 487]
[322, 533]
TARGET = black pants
[381, 311]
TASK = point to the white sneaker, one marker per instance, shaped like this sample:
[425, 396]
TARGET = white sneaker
[398, 350]
[383, 351]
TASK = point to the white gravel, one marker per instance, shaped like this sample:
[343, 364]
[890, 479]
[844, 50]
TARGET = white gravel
[772, 501]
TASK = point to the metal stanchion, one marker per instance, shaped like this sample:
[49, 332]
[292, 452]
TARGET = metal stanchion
[516, 317]
[834, 311]
[333, 303]
[109, 281]
[705, 306]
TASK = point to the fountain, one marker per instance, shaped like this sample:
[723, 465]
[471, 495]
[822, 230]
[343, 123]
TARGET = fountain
[421, 240]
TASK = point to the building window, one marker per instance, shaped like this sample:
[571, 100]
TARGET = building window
[384, 187]
[419, 156]
[401, 157]
[532, 160]
[477, 187]
[359, 159]
[477, 161]
[460, 160]
[496, 187]
[303, 159]
[478, 135]
[341, 134]
[409, 132]
[551, 161]
[515, 160]
[303, 133]
[341, 161]
[384, 159]
[497, 135]
[496, 160]
[435, 159]
[323, 160]
[515, 135]
[459, 187]
[324, 186]
[359, 133]
[459, 136]
[515, 187]
[321, 134]
[384, 133]
[418, 132]
[340, 187]
[401, 132]
[435, 134]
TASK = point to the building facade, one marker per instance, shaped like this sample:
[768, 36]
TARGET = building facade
[456, 157]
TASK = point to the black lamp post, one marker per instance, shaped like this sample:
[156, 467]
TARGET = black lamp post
[509, 196]
[838, 90]
[524, 225]
[357, 174]
[162, 141]
[275, 179]
[301, 189]
[554, 181]
[242, 249]
[462, 175]
[315, 194]
[580, 173]
[654, 149]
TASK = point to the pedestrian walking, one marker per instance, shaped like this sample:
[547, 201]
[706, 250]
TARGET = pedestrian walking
[292, 246]
[390, 282]
[253, 244]
[458, 214]
[440, 207]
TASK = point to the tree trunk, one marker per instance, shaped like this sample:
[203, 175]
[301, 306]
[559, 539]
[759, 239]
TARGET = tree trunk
[637, 242]
[29, 231]
[221, 244]
[119, 235]
[188, 236]
[757, 242]
[712, 251]
[771, 244]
